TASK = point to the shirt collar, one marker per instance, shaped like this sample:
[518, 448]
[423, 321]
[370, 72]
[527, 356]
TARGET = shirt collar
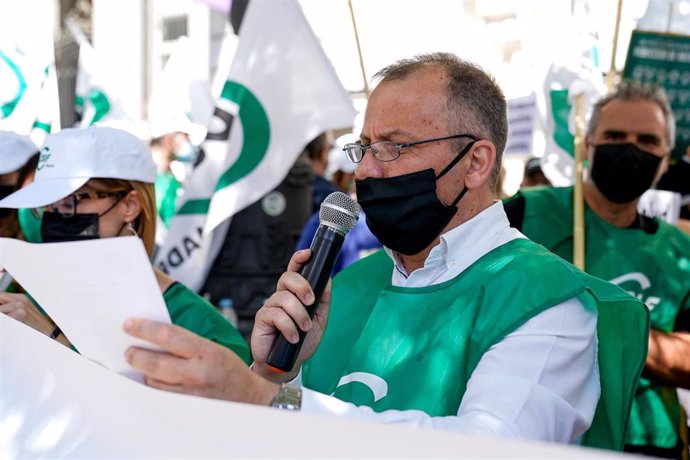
[458, 248]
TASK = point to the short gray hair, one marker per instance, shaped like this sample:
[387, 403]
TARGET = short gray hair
[630, 90]
[475, 102]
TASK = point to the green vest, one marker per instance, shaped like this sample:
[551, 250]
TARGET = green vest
[655, 268]
[166, 188]
[190, 311]
[30, 225]
[416, 348]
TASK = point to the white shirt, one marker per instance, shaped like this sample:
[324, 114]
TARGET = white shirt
[540, 382]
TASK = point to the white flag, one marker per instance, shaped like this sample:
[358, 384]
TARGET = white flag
[28, 84]
[181, 96]
[280, 94]
[96, 102]
[575, 71]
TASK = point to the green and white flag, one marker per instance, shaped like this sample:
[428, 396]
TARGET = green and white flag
[28, 85]
[280, 94]
[573, 71]
[96, 102]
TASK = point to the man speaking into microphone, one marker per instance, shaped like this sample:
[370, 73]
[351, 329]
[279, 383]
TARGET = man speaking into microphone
[460, 322]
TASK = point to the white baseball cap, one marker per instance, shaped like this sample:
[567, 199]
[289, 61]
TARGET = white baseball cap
[15, 151]
[73, 156]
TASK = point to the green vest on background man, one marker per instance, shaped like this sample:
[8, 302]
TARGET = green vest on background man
[653, 267]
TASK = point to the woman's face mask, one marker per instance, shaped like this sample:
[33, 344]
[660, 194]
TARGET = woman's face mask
[58, 227]
[186, 152]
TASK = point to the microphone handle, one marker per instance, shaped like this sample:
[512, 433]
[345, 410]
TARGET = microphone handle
[325, 248]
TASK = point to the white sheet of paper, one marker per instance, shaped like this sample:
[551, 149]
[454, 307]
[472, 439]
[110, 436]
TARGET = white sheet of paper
[89, 288]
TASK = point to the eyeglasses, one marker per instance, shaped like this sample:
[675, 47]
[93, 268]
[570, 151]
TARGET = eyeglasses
[389, 150]
[67, 207]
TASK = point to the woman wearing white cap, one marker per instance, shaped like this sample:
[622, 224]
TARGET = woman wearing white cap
[18, 160]
[98, 183]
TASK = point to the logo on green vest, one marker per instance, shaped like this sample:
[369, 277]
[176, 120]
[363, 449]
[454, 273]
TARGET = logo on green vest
[376, 384]
[642, 283]
[43, 159]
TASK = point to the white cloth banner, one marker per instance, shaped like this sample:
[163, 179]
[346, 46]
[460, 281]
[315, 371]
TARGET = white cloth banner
[280, 94]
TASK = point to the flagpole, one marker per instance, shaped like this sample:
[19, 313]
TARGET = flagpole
[359, 49]
[578, 199]
[610, 78]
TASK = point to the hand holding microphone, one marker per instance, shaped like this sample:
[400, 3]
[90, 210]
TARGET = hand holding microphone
[337, 216]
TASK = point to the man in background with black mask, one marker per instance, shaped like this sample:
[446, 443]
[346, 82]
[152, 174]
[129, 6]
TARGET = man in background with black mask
[629, 139]
[444, 327]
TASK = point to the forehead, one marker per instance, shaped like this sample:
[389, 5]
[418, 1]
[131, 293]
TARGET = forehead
[416, 104]
[633, 116]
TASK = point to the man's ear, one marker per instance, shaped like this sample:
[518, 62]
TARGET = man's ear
[131, 206]
[483, 158]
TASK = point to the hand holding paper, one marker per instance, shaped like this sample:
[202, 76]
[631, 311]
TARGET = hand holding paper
[89, 288]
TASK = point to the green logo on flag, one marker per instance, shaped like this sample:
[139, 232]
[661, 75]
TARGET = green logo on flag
[101, 104]
[256, 135]
[9, 106]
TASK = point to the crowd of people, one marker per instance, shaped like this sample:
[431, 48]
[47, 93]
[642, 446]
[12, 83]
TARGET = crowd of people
[449, 308]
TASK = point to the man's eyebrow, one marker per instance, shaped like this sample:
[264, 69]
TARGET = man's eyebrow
[614, 131]
[648, 137]
[388, 135]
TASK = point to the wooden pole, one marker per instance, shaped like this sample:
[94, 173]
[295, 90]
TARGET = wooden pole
[611, 77]
[578, 200]
[359, 49]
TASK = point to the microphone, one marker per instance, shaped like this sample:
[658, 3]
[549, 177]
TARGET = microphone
[337, 215]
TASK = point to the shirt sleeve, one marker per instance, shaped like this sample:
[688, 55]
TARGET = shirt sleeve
[540, 382]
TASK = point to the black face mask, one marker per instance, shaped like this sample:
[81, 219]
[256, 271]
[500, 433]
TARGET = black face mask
[55, 228]
[403, 212]
[6, 190]
[623, 172]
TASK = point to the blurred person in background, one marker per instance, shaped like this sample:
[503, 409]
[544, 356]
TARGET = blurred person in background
[174, 155]
[533, 175]
[359, 242]
[317, 152]
[341, 170]
[629, 138]
[98, 183]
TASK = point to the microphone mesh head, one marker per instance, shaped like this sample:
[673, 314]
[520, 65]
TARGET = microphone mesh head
[339, 211]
